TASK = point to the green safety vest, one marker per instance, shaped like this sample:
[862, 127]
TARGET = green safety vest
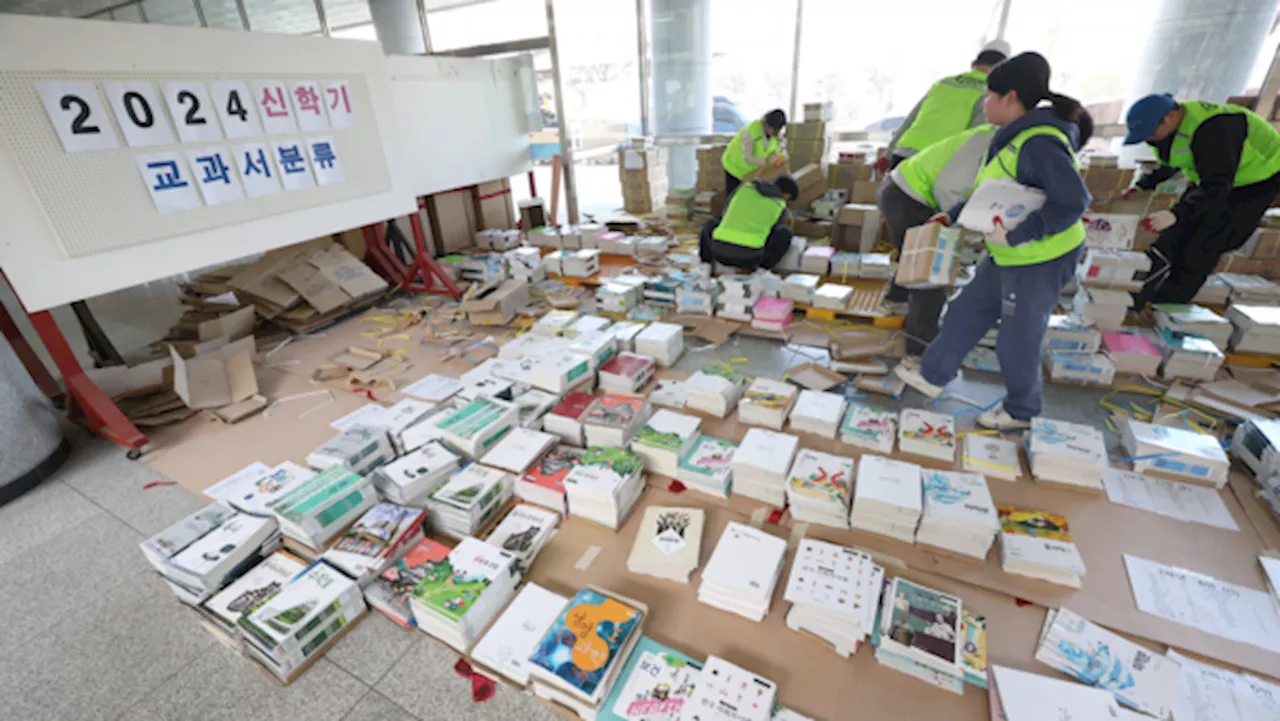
[749, 218]
[732, 160]
[946, 110]
[921, 170]
[1005, 165]
[1259, 159]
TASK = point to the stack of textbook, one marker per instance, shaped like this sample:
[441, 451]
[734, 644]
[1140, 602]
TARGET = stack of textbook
[518, 450]
[459, 597]
[1067, 454]
[835, 592]
[476, 426]
[1257, 329]
[605, 485]
[664, 439]
[818, 412]
[920, 634]
[664, 342]
[932, 435]
[1191, 356]
[317, 510]
[1038, 544]
[198, 555]
[360, 448]
[959, 515]
[391, 591]
[727, 692]
[992, 456]
[1194, 319]
[377, 539]
[655, 684]
[302, 620]
[409, 479]
[819, 488]
[760, 465]
[543, 483]
[626, 373]
[223, 611]
[468, 500]
[743, 571]
[767, 403]
[613, 419]
[668, 543]
[507, 645]
[1178, 453]
[565, 420]
[888, 498]
[869, 428]
[715, 390]
[523, 532]
[707, 466]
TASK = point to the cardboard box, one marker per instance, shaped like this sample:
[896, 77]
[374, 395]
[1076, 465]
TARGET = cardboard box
[216, 378]
[496, 305]
[1104, 180]
[812, 228]
[808, 130]
[321, 293]
[929, 256]
[864, 192]
[844, 175]
[815, 377]
[236, 324]
[497, 211]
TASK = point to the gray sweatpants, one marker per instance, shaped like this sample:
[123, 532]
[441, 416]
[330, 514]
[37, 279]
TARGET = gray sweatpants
[924, 305]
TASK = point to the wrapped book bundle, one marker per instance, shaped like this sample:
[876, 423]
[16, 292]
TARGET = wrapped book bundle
[1038, 544]
[668, 543]
[204, 551]
[888, 498]
[767, 403]
[460, 596]
[707, 467]
[819, 488]
[761, 463]
[743, 571]
[604, 485]
[1070, 455]
[959, 516]
[835, 594]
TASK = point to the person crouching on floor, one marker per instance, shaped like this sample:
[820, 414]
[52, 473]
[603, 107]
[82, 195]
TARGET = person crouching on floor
[1020, 283]
[755, 230]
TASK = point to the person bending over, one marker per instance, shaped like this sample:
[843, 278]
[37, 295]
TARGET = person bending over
[756, 228]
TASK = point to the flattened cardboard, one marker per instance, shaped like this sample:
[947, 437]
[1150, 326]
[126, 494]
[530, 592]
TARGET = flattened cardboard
[814, 376]
[884, 384]
[242, 410]
[854, 345]
[215, 379]
[496, 305]
[236, 324]
[347, 272]
[320, 293]
[357, 359]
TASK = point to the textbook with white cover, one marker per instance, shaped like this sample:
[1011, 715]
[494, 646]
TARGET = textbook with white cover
[506, 647]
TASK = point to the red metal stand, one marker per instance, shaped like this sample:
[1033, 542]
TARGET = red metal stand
[423, 274]
[31, 361]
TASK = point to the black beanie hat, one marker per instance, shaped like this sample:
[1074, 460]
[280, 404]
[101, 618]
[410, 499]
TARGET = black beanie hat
[1027, 73]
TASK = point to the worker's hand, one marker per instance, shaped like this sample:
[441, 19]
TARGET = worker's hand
[942, 218]
[777, 160]
[999, 236]
[882, 164]
[1159, 221]
[1128, 193]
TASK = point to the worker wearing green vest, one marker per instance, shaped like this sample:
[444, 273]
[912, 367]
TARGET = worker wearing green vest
[755, 230]
[936, 178]
[1231, 156]
[756, 146]
[1019, 283]
[951, 105]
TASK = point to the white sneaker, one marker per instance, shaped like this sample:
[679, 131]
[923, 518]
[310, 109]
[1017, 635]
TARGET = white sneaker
[1001, 420]
[910, 374]
[893, 307]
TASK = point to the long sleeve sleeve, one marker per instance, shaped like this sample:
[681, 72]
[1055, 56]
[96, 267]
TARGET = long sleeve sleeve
[906, 123]
[747, 149]
[1046, 163]
[1216, 147]
[979, 112]
[1155, 177]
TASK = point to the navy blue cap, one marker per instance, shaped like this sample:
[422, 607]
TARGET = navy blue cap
[1145, 115]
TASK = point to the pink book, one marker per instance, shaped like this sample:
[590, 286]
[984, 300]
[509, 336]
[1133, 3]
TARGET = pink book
[821, 251]
[773, 309]
[1126, 343]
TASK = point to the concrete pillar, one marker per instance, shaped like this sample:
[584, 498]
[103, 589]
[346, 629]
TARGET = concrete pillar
[681, 40]
[399, 27]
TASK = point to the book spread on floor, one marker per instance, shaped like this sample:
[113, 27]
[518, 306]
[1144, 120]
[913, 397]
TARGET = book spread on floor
[512, 639]
[390, 592]
[654, 685]
[584, 643]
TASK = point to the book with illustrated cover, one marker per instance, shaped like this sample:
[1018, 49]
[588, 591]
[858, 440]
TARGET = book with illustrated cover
[573, 405]
[454, 586]
[614, 410]
[654, 685]
[475, 486]
[584, 643]
[771, 394]
[1072, 440]
[821, 477]
[258, 584]
[379, 535]
[171, 541]
[522, 533]
[727, 692]
[251, 492]
[668, 431]
[280, 623]
[668, 543]
[869, 428]
[390, 592]
[619, 460]
[962, 495]
[973, 648]
[928, 434]
[923, 623]
[708, 463]
[550, 471]
[212, 556]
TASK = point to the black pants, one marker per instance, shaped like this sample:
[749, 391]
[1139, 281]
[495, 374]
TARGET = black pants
[1184, 256]
[731, 182]
[895, 160]
[737, 256]
[924, 305]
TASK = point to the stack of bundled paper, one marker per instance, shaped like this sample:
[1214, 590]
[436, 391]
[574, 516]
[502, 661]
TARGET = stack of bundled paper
[377, 539]
[321, 507]
[927, 434]
[876, 265]
[523, 532]
[302, 620]
[1092, 655]
[556, 323]
[626, 373]
[222, 612]
[706, 467]
[565, 419]
[390, 593]
[664, 439]
[817, 260]
[819, 488]
[1132, 353]
[726, 692]
[1091, 368]
[1215, 291]
[505, 648]
[959, 515]
[201, 553]
[605, 485]
[543, 483]
[1250, 289]
[1257, 329]
[767, 402]
[360, 448]
[613, 419]
[743, 571]
[1109, 268]
[760, 465]
[668, 543]
[799, 287]
[656, 683]
[1189, 356]
[772, 314]
[1105, 308]
[714, 389]
[1067, 454]
[888, 498]
[1021, 696]
[1255, 444]
[476, 426]
[735, 296]
[1194, 319]
[835, 592]
[870, 428]
[1064, 333]
[818, 412]
[518, 450]
[1176, 453]
[664, 342]
[832, 296]
[1038, 544]
[992, 456]
[468, 500]
[562, 668]
[459, 597]
[920, 634]
[625, 332]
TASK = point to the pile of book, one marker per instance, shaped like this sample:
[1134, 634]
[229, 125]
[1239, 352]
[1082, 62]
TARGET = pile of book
[888, 498]
[735, 296]
[1188, 355]
[920, 634]
[959, 515]
[523, 532]
[1071, 455]
[543, 483]
[869, 428]
[1177, 453]
[835, 594]
[477, 425]
[714, 389]
[927, 434]
[250, 489]
[1250, 289]
[743, 571]
[665, 439]
[613, 419]
[991, 456]
[1021, 696]
[668, 543]
[664, 342]
[564, 419]
[518, 450]
[707, 467]
[360, 448]
[1038, 544]
[626, 373]
[302, 620]
[222, 612]
[577, 665]
[767, 403]
[1105, 308]
[465, 502]
[760, 465]
[727, 692]
[461, 595]
[772, 314]
[819, 488]
[604, 485]
[818, 412]
[409, 479]
[656, 683]
[378, 538]
[1065, 332]
[799, 287]
[832, 296]
[505, 648]
[201, 553]
[1091, 368]
[319, 508]
[1109, 268]
[1132, 353]
[1194, 319]
[1257, 329]
[391, 591]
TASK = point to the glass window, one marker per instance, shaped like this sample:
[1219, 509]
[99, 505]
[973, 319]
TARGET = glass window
[292, 17]
[599, 69]
[752, 48]
[358, 32]
[347, 13]
[128, 14]
[487, 23]
[171, 12]
[221, 14]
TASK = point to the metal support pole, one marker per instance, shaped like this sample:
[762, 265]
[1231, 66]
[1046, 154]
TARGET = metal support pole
[642, 54]
[244, 14]
[422, 20]
[795, 64]
[200, 13]
[1004, 19]
[142, 12]
[324, 19]
[566, 143]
